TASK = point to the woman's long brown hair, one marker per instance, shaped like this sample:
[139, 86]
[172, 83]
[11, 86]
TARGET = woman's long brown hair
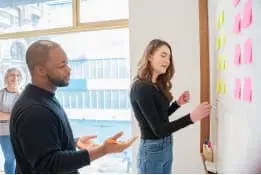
[145, 70]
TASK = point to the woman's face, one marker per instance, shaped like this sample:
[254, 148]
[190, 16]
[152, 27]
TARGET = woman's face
[160, 60]
[13, 78]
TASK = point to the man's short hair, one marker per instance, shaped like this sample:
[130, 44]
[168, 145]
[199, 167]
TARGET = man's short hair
[38, 52]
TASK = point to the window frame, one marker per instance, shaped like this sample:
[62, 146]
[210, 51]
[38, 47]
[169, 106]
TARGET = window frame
[77, 26]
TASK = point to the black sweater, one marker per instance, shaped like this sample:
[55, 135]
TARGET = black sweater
[152, 110]
[41, 135]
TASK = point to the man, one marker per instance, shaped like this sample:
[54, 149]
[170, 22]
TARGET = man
[41, 135]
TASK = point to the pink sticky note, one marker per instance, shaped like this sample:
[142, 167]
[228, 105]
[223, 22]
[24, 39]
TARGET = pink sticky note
[237, 90]
[247, 18]
[237, 58]
[237, 24]
[248, 51]
[236, 2]
[247, 92]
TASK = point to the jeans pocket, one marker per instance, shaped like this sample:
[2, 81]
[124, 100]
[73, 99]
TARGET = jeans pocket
[153, 147]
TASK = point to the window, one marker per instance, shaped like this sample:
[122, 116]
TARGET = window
[123, 99]
[108, 103]
[106, 69]
[99, 68]
[35, 20]
[91, 102]
[123, 71]
[92, 69]
[44, 14]
[101, 10]
[93, 98]
[87, 99]
[100, 99]
[17, 51]
[96, 100]
[66, 102]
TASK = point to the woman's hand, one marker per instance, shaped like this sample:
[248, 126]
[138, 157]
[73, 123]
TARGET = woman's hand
[183, 98]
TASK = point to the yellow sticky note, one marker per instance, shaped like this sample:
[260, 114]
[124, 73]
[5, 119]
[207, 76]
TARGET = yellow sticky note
[223, 87]
[218, 86]
[222, 39]
[224, 64]
[221, 63]
[221, 18]
[218, 42]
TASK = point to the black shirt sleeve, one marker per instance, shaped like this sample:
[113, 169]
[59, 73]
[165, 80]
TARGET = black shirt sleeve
[146, 101]
[38, 133]
[173, 107]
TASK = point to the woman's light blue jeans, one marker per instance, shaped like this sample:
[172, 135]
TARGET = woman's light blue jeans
[9, 162]
[155, 156]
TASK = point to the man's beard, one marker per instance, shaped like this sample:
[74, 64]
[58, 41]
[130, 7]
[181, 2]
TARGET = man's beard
[57, 82]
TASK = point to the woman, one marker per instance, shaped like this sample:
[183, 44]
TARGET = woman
[150, 98]
[8, 96]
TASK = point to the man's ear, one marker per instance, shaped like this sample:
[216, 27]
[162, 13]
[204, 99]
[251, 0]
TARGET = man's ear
[40, 70]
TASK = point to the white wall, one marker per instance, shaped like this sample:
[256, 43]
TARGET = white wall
[177, 22]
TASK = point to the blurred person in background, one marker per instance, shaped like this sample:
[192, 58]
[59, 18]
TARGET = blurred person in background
[8, 96]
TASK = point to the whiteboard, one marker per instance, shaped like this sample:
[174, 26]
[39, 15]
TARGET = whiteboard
[235, 123]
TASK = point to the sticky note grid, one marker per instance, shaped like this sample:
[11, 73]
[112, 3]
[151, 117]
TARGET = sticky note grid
[243, 53]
